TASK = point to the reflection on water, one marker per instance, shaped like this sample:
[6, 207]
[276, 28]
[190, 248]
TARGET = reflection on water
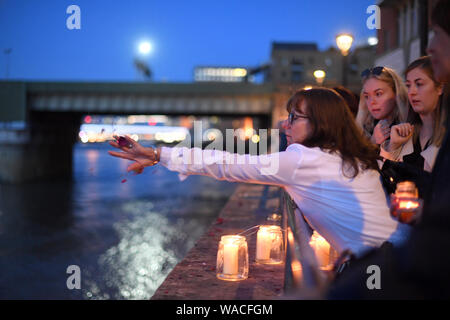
[125, 237]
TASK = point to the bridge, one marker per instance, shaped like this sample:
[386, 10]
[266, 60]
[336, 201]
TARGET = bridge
[52, 113]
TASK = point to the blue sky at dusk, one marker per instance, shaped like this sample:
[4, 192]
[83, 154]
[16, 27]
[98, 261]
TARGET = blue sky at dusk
[184, 34]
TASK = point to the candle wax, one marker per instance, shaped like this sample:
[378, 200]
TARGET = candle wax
[321, 249]
[263, 245]
[230, 258]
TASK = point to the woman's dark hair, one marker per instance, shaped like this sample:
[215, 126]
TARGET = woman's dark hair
[423, 63]
[334, 129]
[350, 98]
[439, 15]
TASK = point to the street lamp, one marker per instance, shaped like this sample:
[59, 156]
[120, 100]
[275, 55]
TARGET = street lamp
[7, 52]
[142, 66]
[320, 76]
[344, 42]
[145, 47]
[372, 41]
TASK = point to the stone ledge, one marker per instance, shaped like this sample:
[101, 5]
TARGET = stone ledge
[194, 278]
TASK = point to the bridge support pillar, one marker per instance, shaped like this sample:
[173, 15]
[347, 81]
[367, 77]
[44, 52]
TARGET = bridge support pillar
[43, 151]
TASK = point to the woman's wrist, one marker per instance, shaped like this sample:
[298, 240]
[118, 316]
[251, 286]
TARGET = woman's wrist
[386, 145]
[153, 155]
[157, 152]
[392, 146]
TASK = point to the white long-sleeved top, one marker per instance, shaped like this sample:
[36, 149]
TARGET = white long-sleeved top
[350, 213]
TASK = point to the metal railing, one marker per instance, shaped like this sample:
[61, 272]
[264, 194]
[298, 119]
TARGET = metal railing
[303, 277]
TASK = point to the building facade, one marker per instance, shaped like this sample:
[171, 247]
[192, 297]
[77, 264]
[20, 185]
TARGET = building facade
[293, 64]
[404, 32]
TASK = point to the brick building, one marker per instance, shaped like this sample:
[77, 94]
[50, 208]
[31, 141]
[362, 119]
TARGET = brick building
[404, 32]
[293, 65]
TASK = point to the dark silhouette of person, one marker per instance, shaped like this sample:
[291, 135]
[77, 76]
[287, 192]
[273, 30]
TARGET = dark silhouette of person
[350, 97]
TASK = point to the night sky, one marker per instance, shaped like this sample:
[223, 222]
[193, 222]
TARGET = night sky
[184, 34]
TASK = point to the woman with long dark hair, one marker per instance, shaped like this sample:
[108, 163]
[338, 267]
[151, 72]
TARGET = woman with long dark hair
[329, 169]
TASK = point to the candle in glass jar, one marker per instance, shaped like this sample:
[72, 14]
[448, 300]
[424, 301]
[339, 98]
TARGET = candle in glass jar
[321, 249]
[230, 257]
[406, 210]
[263, 244]
[407, 204]
[297, 273]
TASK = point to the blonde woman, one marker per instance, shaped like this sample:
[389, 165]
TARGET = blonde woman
[418, 143]
[383, 103]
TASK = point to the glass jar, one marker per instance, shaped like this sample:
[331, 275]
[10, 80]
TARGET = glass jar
[269, 245]
[322, 250]
[406, 189]
[274, 219]
[405, 203]
[232, 258]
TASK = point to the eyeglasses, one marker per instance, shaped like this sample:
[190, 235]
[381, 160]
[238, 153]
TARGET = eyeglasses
[376, 71]
[292, 117]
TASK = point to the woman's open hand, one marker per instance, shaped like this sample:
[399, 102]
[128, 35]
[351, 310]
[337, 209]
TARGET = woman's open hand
[142, 156]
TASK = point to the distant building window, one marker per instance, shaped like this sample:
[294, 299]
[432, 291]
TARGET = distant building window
[353, 68]
[401, 19]
[386, 40]
[297, 76]
[411, 11]
[353, 65]
[297, 65]
[414, 19]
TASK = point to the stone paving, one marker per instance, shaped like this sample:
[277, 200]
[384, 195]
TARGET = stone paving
[194, 278]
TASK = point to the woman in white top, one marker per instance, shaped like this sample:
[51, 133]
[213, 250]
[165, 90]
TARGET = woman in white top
[418, 143]
[329, 169]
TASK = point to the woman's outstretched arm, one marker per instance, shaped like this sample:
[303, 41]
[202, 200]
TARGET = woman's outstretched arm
[274, 169]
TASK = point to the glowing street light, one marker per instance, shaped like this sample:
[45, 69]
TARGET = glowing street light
[373, 41]
[140, 63]
[239, 72]
[145, 47]
[320, 76]
[344, 42]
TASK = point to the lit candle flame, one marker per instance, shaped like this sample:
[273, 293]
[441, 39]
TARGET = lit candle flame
[408, 205]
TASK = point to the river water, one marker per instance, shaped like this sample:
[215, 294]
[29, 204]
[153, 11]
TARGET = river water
[125, 232]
